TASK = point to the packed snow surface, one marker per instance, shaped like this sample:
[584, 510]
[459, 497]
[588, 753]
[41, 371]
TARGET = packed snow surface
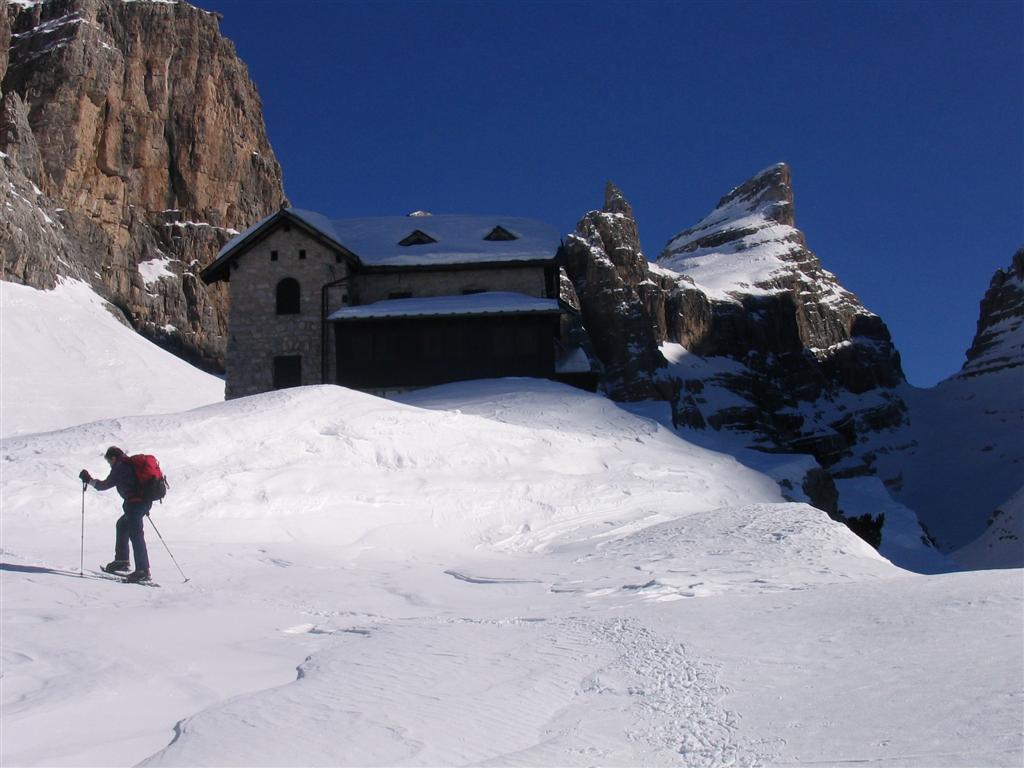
[504, 573]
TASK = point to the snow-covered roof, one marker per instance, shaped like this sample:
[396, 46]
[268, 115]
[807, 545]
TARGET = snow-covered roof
[459, 239]
[487, 303]
[376, 241]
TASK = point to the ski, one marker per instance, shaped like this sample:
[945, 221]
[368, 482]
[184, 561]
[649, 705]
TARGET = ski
[120, 576]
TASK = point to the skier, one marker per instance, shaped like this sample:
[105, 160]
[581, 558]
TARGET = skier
[129, 525]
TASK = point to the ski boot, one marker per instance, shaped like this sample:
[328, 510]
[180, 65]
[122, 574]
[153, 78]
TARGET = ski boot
[117, 566]
[138, 576]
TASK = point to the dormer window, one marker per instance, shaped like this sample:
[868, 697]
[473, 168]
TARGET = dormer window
[499, 234]
[417, 237]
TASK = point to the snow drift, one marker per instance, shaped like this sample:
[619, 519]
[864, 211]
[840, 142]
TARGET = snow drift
[507, 572]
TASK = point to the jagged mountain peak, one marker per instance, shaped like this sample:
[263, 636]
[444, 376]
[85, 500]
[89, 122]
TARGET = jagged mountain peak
[615, 201]
[748, 246]
[769, 192]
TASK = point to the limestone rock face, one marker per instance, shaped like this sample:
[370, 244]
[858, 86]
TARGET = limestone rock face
[747, 252]
[611, 278]
[999, 341]
[5, 38]
[739, 326]
[17, 138]
[143, 134]
[748, 289]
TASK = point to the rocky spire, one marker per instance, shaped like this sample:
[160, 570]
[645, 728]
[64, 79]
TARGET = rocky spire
[610, 275]
[615, 201]
[999, 341]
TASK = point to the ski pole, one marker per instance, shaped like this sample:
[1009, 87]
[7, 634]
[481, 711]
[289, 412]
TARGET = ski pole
[168, 549]
[81, 560]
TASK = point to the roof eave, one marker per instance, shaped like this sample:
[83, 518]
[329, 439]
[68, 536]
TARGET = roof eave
[369, 268]
[419, 316]
[219, 268]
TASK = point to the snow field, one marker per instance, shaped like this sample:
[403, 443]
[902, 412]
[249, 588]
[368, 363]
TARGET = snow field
[490, 573]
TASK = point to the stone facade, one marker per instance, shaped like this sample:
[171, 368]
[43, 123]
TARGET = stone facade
[257, 333]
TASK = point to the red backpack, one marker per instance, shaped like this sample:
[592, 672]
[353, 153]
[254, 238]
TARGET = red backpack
[152, 482]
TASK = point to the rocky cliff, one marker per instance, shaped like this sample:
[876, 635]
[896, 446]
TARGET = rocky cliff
[742, 329]
[133, 147]
[999, 341]
[771, 339]
[617, 297]
[747, 254]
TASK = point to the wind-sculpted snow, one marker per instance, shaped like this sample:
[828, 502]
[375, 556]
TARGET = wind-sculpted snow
[757, 549]
[331, 465]
[491, 573]
[559, 691]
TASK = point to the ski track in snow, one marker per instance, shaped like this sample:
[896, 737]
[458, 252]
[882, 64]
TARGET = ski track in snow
[516, 691]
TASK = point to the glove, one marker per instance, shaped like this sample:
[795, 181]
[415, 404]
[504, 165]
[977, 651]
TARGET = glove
[84, 476]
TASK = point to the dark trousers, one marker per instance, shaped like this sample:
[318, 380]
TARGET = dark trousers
[129, 528]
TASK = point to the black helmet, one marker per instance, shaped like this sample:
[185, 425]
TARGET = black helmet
[113, 452]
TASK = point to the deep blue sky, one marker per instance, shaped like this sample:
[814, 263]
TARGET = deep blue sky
[903, 123]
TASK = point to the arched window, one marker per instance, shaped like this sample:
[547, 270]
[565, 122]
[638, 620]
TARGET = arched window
[288, 297]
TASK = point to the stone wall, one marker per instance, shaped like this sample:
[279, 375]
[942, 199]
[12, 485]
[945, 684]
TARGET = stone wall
[369, 288]
[257, 333]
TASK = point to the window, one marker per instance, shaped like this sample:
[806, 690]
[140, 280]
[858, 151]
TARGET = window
[417, 237]
[288, 297]
[273, 255]
[302, 254]
[499, 233]
[287, 371]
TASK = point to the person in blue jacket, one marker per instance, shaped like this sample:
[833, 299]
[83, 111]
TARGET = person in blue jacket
[130, 524]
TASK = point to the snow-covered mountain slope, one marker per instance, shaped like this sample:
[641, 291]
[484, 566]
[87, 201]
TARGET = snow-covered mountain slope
[961, 455]
[968, 431]
[1002, 543]
[67, 360]
[505, 572]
